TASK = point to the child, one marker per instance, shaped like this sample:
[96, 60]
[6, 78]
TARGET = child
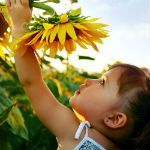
[115, 109]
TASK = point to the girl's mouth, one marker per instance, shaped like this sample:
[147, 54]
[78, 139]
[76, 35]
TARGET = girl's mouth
[77, 92]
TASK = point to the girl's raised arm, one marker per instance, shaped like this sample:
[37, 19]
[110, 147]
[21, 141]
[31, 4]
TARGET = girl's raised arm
[55, 116]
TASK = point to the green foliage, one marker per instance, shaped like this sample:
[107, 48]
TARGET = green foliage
[22, 129]
[17, 125]
[86, 57]
[6, 106]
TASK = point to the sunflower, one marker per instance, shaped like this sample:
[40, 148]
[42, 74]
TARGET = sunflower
[4, 36]
[55, 33]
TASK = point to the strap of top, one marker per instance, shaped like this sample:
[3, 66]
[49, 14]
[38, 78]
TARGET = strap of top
[80, 128]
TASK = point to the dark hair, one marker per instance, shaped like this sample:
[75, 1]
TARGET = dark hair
[134, 87]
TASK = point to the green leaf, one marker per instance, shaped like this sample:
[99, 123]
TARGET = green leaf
[75, 12]
[86, 57]
[74, 1]
[6, 106]
[16, 122]
[59, 57]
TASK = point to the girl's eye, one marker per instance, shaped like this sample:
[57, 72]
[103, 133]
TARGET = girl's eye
[102, 82]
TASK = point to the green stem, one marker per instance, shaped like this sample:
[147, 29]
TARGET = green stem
[43, 6]
[67, 63]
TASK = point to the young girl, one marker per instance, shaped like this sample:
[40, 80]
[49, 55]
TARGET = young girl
[115, 109]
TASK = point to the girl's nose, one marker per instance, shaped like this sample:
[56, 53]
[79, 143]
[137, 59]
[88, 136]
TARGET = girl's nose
[89, 82]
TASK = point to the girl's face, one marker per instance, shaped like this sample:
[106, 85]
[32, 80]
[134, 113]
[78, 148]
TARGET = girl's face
[97, 96]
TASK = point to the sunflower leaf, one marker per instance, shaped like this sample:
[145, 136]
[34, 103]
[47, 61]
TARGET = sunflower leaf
[75, 12]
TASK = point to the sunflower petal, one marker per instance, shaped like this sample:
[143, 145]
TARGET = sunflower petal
[53, 49]
[92, 20]
[71, 32]
[2, 55]
[45, 49]
[39, 45]
[81, 44]
[88, 40]
[70, 45]
[44, 35]
[61, 47]
[62, 33]
[96, 40]
[79, 26]
[48, 26]
[83, 39]
[97, 34]
[48, 36]
[53, 33]
[35, 38]
[93, 26]
[26, 36]
[92, 44]
[84, 32]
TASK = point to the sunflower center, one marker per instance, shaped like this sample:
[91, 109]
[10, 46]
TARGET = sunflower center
[3, 26]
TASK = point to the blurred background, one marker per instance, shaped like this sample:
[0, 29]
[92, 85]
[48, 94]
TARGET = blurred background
[129, 25]
[128, 42]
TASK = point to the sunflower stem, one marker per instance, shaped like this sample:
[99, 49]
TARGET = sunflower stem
[43, 6]
[67, 63]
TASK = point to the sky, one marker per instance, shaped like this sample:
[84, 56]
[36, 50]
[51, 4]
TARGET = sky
[129, 37]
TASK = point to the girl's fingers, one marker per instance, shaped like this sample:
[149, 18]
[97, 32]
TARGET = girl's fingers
[13, 2]
[25, 2]
[18, 2]
[8, 4]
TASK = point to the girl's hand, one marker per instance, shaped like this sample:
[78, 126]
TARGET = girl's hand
[19, 12]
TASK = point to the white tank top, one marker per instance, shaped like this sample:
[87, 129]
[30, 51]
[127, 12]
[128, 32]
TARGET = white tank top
[87, 143]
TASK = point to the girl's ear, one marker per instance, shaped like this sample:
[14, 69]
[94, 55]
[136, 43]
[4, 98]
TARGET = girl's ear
[115, 120]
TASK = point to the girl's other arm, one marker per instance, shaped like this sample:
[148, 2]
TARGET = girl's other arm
[55, 116]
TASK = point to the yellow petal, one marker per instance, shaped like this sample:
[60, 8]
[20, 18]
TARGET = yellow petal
[96, 40]
[92, 44]
[81, 44]
[2, 55]
[96, 33]
[89, 41]
[94, 26]
[70, 45]
[27, 35]
[62, 33]
[83, 39]
[53, 33]
[39, 45]
[71, 32]
[61, 47]
[92, 20]
[45, 49]
[47, 26]
[79, 26]
[48, 36]
[84, 32]
[53, 49]
[34, 40]
[44, 35]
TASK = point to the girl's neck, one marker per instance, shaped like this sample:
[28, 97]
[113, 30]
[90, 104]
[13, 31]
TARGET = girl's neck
[102, 139]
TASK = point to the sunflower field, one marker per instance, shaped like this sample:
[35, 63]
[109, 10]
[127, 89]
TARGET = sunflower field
[19, 126]
[20, 129]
